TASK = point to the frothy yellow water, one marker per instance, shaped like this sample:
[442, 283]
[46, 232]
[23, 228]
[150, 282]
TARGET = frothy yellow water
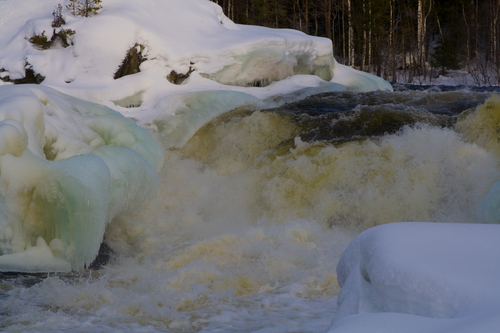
[414, 175]
[482, 125]
[250, 221]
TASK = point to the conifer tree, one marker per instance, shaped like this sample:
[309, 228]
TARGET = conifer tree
[91, 7]
[73, 6]
[84, 8]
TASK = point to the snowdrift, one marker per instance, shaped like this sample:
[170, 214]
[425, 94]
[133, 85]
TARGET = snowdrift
[173, 35]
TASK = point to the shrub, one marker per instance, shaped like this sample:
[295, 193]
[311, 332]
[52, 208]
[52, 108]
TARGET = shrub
[58, 19]
[41, 41]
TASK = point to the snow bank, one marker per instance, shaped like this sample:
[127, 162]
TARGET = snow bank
[402, 276]
[355, 80]
[207, 42]
[67, 167]
[174, 35]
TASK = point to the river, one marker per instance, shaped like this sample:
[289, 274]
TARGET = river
[254, 212]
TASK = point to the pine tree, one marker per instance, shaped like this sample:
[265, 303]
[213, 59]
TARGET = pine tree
[85, 8]
[91, 7]
[446, 54]
[73, 6]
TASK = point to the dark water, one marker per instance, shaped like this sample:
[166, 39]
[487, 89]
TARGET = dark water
[346, 116]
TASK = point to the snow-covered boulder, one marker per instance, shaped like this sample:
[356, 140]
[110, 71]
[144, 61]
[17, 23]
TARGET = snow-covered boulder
[420, 277]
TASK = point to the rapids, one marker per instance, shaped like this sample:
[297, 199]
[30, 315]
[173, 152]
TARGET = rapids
[254, 211]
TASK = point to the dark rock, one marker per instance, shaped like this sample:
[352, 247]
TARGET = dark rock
[130, 65]
[103, 257]
[178, 78]
[30, 77]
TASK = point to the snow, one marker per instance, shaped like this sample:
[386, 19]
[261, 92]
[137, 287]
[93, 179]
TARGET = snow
[216, 48]
[420, 277]
[355, 80]
[209, 42]
[273, 65]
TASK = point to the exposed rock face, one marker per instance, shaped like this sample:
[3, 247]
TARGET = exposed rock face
[103, 257]
[133, 59]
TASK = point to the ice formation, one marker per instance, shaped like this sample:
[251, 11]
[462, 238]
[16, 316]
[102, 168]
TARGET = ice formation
[488, 209]
[420, 277]
[67, 167]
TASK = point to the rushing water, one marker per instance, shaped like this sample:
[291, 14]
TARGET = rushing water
[255, 210]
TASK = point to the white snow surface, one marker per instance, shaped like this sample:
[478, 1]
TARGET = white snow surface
[420, 277]
[355, 80]
[176, 35]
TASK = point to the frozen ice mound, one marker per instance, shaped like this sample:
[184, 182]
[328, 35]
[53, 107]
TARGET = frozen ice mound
[402, 276]
[67, 168]
[190, 38]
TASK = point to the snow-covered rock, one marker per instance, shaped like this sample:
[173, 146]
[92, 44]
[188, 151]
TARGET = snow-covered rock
[420, 277]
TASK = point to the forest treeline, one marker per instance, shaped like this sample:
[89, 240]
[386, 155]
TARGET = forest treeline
[400, 40]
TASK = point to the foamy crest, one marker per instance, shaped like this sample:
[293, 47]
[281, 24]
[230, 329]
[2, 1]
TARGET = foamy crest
[422, 173]
[481, 125]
